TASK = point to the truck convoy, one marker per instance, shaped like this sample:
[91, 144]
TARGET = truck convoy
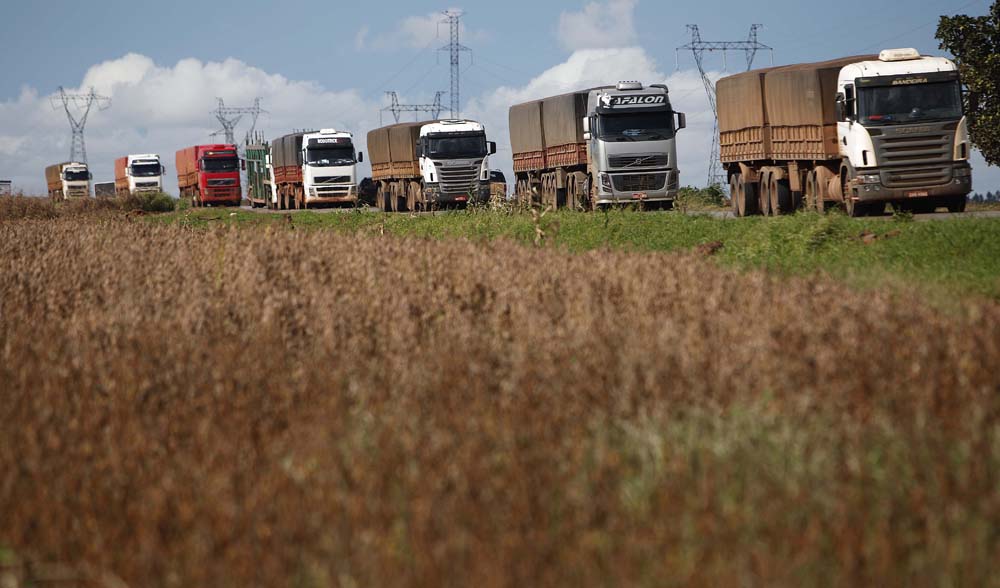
[606, 145]
[419, 165]
[68, 180]
[315, 168]
[859, 132]
[135, 174]
[209, 175]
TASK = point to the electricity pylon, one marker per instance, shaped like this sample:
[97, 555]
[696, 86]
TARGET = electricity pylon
[83, 103]
[698, 47]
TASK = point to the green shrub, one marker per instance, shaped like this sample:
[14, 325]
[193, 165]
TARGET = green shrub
[151, 202]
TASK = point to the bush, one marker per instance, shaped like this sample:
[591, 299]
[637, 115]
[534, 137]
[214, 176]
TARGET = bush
[151, 202]
[690, 197]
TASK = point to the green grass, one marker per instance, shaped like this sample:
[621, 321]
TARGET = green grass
[941, 259]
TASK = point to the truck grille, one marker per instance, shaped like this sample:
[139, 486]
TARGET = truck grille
[926, 150]
[146, 185]
[639, 182]
[459, 180]
[652, 160]
[227, 182]
[333, 180]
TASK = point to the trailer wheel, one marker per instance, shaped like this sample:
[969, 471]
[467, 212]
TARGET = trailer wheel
[780, 196]
[734, 195]
[764, 194]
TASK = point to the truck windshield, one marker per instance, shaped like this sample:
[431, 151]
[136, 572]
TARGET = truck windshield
[458, 147]
[220, 164]
[330, 156]
[145, 170]
[884, 105]
[76, 175]
[636, 126]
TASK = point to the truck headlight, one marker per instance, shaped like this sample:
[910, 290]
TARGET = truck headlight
[869, 179]
[606, 182]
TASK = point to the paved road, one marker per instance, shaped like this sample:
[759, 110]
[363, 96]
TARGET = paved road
[720, 214]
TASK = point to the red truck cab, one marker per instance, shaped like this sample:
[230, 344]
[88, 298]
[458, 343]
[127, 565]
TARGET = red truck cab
[209, 175]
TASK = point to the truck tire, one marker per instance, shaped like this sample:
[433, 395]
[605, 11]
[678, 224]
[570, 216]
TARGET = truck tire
[764, 193]
[956, 204]
[780, 196]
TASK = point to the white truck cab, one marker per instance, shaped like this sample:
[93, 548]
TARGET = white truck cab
[329, 167]
[901, 129]
[145, 173]
[76, 180]
[454, 161]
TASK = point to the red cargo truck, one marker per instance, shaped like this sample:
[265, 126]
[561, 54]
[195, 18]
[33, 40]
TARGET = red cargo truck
[209, 175]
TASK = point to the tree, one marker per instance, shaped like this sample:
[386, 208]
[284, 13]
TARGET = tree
[975, 43]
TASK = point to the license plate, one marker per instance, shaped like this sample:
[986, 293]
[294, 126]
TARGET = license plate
[461, 199]
[917, 194]
[639, 196]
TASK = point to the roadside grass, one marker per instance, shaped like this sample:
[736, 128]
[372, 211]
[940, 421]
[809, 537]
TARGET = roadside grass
[942, 260]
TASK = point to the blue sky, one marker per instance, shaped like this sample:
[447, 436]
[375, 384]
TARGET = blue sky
[346, 55]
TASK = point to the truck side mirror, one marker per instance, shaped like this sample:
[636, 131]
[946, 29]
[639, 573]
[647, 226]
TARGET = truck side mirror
[90, 176]
[493, 148]
[420, 150]
[361, 156]
[586, 124]
[839, 108]
[243, 164]
[682, 121]
[163, 169]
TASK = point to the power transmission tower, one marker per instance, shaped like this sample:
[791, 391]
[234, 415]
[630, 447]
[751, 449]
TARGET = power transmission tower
[229, 117]
[80, 103]
[398, 109]
[455, 49]
[698, 47]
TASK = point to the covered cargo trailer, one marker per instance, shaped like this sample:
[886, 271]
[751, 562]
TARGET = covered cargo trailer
[260, 179]
[53, 177]
[121, 176]
[799, 133]
[527, 140]
[562, 124]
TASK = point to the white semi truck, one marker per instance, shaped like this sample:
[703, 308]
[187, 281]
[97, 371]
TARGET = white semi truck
[420, 165]
[859, 132]
[68, 180]
[139, 173]
[313, 168]
[608, 145]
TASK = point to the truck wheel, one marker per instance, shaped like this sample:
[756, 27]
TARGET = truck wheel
[735, 196]
[854, 208]
[780, 196]
[956, 204]
[764, 194]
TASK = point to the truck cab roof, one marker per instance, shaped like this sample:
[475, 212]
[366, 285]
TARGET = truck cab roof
[876, 68]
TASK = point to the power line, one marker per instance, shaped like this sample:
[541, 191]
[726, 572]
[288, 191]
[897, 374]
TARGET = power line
[81, 103]
[750, 47]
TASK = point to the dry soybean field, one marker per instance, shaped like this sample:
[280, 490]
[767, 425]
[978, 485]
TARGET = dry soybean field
[221, 404]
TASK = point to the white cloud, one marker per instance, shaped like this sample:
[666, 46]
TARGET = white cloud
[161, 109]
[599, 25]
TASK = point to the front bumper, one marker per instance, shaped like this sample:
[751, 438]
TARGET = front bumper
[644, 186]
[332, 194]
[479, 194]
[958, 183]
[229, 194]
